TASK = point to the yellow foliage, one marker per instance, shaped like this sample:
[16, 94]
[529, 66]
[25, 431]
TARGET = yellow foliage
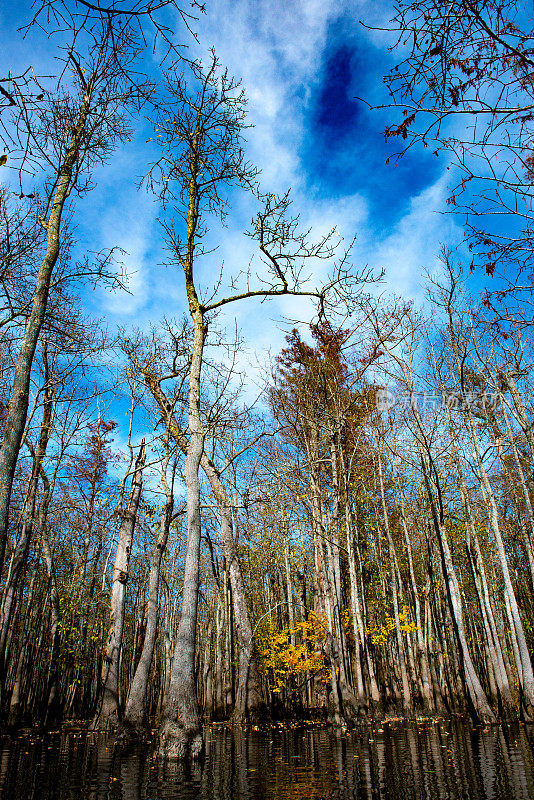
[379, 633]
[280, 659]
[346, 619]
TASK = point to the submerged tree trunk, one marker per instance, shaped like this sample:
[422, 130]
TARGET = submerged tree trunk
[524, 665]
[479, 702]
[135, 713]
[53, 709]
[249, 703]
[357, 620]
[180, 733]
[108, 714]
[480, 706]
[406, 693]
[349, 701]
[424, 676]
[493, 645]
[18, 700]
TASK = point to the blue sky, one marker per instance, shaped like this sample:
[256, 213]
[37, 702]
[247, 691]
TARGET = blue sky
[304, 65]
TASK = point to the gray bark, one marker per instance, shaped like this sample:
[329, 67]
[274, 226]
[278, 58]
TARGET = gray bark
[18, 404]
[524, 665]
[249, 698]
[180, 733]
[406, 693]
[529, 512]
[108, 714]
[424, 676]
[480, 706]
[249, 703]
[476, 562]
[135, 713]
[357, 621]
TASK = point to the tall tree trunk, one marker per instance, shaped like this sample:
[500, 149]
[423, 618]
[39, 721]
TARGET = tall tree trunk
[135, 713]
[28, 516]
[524, 665]
[481, 708]
[406, 693]
[357, 621]
[424, 676]
[52, 712]
[180, 732]
[529, 511]
[249, 703]
[18, 696]
[348, 698]
[476, 563]
[480, 705]
[18, 404]
[108, 714]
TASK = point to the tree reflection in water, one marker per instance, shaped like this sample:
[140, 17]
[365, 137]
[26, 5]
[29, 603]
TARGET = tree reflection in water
[396, 760]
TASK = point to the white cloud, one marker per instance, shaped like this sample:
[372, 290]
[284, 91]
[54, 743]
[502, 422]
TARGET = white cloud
[412, 247]
[278, 50]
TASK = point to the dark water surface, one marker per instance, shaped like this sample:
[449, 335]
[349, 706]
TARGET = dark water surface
[393, 760]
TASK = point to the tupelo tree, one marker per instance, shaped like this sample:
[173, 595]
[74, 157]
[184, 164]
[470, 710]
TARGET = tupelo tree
[202, 141]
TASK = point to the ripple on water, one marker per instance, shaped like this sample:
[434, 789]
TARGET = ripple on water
[424, 761]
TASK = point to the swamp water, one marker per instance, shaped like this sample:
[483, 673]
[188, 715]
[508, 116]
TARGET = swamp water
[393, 760]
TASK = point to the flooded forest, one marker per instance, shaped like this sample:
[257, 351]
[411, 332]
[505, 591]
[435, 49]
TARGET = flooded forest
[236, 570]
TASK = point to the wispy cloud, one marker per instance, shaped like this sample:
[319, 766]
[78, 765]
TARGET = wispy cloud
[303, 66]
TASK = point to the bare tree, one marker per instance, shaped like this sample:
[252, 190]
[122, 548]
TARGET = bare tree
[202, 140]
[67, 136]
[135, 715]
[399, 334]
[108, 713]
[465, 88]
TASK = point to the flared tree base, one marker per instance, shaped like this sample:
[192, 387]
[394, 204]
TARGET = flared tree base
[176, 742]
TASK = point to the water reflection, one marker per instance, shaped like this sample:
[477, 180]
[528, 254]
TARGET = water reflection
[394, 760]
